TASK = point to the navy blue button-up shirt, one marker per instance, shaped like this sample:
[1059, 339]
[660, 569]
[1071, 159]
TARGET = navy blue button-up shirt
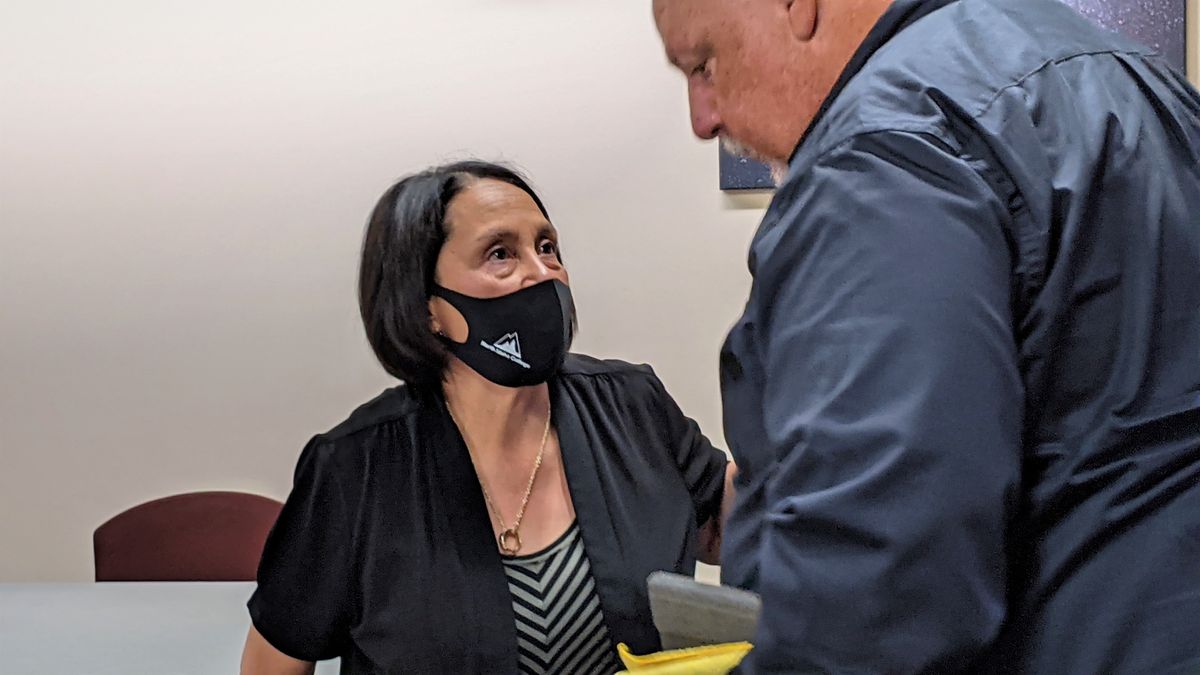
[965, 393]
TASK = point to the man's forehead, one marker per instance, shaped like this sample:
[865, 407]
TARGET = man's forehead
[683, 13]
[682, 23]
[661, 8]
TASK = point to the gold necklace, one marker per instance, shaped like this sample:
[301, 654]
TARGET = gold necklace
[509, 538]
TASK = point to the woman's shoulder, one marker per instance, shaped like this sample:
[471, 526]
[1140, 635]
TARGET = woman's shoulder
[611, 377]
[349, 457]
[582, 366]
[392, 409]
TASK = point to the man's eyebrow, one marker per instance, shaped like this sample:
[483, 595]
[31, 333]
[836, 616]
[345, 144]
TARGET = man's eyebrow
[697, 53]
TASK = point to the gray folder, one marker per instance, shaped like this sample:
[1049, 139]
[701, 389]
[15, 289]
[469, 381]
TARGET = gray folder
[688, 613]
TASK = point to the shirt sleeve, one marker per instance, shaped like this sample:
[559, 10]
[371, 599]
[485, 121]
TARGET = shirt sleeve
[700, 463]
[892, 408]
[301, 604]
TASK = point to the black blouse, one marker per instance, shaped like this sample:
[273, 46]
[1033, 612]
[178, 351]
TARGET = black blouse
[384, 554]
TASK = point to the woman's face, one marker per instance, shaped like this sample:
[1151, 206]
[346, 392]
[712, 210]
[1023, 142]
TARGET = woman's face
[497, 242]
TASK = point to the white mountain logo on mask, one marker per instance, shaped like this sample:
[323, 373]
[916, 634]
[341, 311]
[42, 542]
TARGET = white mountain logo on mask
[509, 347]
[510, 343]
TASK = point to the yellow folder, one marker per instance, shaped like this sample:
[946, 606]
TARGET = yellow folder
[706, 660]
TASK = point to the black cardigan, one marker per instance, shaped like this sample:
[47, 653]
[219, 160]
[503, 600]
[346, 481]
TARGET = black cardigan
[384, 554]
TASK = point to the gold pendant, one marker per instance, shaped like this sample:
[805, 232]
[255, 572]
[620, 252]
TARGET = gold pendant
[510, 541]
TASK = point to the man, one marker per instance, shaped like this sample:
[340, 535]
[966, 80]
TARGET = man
[964, 397]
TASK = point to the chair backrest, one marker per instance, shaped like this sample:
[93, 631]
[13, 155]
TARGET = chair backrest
[200, 536]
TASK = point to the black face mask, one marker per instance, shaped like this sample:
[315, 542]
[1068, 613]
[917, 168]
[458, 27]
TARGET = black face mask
[515, 340]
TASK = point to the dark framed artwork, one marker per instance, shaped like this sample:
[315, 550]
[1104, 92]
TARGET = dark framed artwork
[1161, 24]
[740, 173]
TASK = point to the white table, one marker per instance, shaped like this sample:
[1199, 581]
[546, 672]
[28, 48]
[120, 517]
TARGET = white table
[125, 629]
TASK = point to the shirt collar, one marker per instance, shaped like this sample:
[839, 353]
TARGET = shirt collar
[900, 15]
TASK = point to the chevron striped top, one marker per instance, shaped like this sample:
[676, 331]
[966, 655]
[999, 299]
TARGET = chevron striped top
[560, 628]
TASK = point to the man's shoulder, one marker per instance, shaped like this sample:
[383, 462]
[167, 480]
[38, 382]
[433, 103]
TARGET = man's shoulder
[950, 66]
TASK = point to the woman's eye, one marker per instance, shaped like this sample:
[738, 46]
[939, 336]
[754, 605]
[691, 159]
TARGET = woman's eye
[703, 70]
[498, 254]
[548, 248]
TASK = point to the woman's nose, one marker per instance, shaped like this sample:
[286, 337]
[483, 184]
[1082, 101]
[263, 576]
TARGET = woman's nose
[535, 271]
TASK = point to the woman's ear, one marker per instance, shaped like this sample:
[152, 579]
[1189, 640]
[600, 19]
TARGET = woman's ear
[434, 324]
[802, 15]
[447, 321]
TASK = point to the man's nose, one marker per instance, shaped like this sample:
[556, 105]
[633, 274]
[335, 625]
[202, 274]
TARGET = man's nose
[706, 122]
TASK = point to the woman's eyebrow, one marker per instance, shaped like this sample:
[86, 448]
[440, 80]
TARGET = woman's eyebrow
[495, 232]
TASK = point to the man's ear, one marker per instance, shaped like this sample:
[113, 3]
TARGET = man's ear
[802, 15]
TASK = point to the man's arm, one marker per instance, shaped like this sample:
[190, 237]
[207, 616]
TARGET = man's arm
[893, 406]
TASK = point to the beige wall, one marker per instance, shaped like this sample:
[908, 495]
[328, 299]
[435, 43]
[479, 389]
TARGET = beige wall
[184, 191]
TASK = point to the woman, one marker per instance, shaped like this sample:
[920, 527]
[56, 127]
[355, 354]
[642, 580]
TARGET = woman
[501, 510]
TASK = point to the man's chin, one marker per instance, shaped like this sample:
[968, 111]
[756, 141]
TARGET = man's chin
[778, 168]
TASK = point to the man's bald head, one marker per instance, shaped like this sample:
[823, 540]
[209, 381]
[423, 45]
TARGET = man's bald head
[758, 70]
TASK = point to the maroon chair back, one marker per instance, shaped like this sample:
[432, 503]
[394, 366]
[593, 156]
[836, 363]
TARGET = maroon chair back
[201, 536]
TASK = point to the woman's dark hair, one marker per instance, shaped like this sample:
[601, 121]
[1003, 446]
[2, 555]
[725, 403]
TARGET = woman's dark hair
[400, 251]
